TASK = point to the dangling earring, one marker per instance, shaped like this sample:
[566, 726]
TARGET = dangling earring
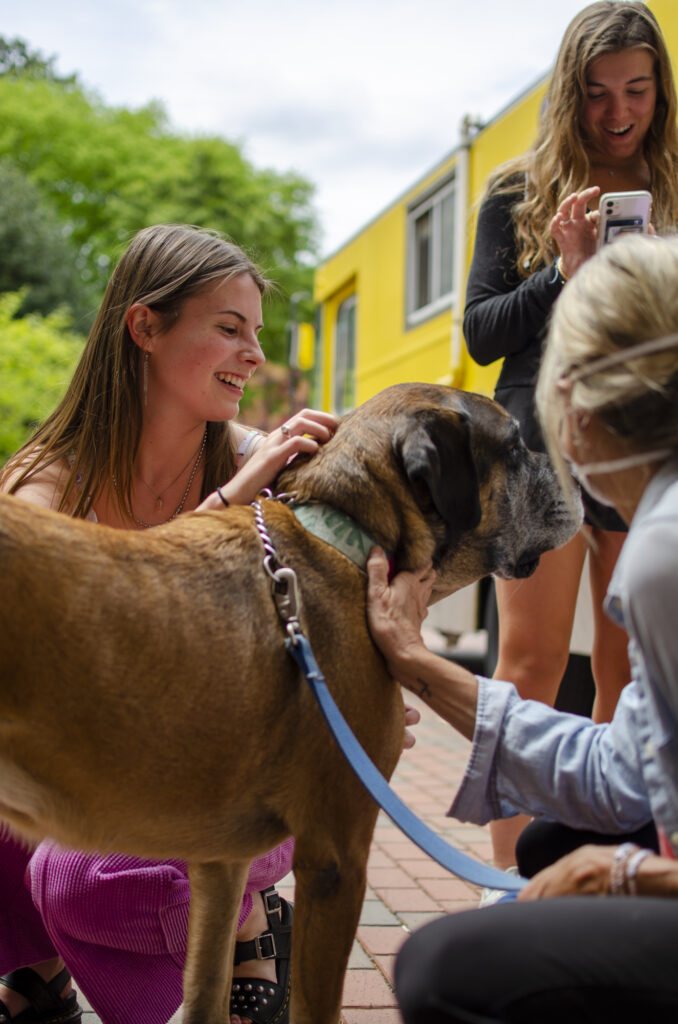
[144, 377]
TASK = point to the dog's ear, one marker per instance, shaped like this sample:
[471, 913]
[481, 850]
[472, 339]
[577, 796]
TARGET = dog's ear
[435, 452]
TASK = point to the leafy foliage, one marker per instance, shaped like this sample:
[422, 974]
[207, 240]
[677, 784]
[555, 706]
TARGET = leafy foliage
[78, 179]
[37, 358]
[110, 171]
[36, 253]
[17, 59]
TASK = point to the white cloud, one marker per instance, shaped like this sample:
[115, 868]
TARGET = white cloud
[360, 96]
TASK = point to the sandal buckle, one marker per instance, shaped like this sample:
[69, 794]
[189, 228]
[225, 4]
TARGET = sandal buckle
[272, 904]
[264, 945]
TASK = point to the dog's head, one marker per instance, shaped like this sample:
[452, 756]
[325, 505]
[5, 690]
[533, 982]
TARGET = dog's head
[435, 473]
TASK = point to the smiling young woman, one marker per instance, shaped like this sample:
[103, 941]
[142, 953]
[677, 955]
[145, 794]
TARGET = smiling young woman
[608, 124]
[616, 114]
[143, 434]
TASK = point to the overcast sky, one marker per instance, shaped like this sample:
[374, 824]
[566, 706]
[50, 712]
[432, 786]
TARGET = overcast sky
[362, 97]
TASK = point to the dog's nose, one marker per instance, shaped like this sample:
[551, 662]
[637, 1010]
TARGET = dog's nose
[525, 566]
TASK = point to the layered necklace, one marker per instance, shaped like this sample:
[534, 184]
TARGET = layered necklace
[159, 497]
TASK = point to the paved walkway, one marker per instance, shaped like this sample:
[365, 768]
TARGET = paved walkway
[405, 887]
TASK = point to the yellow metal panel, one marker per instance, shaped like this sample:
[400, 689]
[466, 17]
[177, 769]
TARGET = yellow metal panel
[373, 265]
[666, 13]
[306, 346]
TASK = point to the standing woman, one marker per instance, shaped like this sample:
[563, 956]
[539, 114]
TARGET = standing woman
[143, 435]
[608, 124]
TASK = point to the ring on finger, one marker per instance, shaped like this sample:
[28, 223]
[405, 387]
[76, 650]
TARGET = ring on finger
[285, 431]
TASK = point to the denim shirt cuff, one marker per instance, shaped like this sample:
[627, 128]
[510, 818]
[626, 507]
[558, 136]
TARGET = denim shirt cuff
[476, 800]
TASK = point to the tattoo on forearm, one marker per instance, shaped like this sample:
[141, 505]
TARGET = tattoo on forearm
[423, 690]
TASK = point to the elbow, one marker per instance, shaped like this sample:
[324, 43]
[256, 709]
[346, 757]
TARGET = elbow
[475, 342]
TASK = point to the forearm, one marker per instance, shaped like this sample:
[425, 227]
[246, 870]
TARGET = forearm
[657, 876]
[448, 689]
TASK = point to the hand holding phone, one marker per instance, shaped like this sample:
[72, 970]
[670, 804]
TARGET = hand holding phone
[621, 213]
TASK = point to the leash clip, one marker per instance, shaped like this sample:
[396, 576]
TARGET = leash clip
[286, 595]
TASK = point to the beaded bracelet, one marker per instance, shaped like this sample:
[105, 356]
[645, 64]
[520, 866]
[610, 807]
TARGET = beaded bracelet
[225, 501]
[631, 870]
[618, 868]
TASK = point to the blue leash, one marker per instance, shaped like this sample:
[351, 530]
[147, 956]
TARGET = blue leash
[426, 839]
[287, 600]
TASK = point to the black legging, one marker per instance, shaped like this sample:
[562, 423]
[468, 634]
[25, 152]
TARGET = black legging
[577, 959]
[544, 842]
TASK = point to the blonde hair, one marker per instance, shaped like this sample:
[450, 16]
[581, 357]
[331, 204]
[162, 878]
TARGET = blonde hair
[95, 429]
[557, 163]
[625, 295]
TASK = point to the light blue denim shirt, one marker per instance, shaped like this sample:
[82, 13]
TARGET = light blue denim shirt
[611, 778]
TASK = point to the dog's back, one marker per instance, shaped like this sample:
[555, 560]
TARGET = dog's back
[139, 667]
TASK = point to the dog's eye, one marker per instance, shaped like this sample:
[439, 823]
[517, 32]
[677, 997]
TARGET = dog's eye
[515, 450]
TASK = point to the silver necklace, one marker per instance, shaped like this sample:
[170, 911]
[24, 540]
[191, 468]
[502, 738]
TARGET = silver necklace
[179, 508]
[159, 497]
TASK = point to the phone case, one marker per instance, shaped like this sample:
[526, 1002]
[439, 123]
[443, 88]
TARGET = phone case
[623, 213]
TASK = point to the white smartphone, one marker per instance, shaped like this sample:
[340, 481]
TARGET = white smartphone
[623, 212]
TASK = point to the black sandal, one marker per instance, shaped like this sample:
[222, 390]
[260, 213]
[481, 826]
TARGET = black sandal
[47, 1005]
[267, 1002]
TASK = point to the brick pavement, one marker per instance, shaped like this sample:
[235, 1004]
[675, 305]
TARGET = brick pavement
[405, 887]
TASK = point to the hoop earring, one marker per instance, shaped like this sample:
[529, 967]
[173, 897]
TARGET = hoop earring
[144, 377]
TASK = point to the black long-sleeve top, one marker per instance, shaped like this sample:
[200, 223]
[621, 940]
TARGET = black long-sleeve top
[506, 315]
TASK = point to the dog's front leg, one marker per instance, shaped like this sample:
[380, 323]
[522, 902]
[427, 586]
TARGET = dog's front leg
[330, 887]
[216, 895]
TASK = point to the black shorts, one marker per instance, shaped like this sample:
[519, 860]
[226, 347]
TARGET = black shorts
[519, 401]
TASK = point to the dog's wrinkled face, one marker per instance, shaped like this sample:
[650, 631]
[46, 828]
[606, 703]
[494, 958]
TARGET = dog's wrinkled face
[439, 474]
[523, 509]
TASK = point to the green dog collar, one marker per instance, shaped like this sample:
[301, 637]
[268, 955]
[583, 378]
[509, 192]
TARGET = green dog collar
[337, 529]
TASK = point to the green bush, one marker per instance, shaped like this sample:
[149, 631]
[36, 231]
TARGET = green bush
[37, 357]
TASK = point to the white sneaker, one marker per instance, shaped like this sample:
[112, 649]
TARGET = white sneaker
[489, 897]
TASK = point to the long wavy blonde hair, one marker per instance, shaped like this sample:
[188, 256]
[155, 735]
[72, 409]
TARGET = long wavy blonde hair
[95, 429]
[557, 163]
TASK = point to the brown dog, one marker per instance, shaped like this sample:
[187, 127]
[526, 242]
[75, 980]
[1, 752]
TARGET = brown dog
[148, 705]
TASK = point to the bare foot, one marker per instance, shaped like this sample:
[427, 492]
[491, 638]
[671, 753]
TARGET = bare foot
[255, 924]
[47, 970]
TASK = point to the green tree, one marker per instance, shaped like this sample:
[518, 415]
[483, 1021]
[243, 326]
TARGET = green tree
[37, 358]
[36, 253]
[17, 59]
[110, 171]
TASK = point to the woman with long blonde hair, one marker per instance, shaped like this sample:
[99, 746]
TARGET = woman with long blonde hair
[608, 124]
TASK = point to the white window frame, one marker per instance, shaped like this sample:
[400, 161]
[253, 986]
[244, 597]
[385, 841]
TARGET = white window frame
[432, 201]
[348, 305]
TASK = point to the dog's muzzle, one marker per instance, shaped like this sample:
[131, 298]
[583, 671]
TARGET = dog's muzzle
[526, 566]
[520, 569]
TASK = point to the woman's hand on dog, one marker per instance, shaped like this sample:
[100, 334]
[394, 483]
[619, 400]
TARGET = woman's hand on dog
[303, 432]
[395, 613]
